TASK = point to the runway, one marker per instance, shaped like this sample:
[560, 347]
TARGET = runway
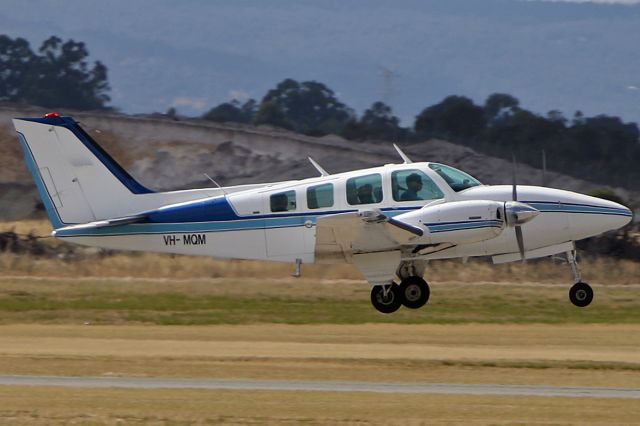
[320, 386]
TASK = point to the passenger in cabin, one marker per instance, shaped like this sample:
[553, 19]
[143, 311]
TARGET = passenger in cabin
[279, 203]
[365, 194]
[414, 185]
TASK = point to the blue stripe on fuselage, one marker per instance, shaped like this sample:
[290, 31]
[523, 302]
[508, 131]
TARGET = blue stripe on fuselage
[549, 206]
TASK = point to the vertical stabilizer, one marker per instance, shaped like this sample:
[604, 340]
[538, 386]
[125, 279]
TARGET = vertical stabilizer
[77, 180]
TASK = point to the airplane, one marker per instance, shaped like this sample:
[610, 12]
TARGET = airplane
[388, 221]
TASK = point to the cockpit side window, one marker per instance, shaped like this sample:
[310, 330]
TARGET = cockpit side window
[456, 179]
[364, 189]
[283, 201]
[413, 185]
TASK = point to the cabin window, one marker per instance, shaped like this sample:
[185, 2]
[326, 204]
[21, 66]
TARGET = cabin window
[413, 185]
[320, 196]
[456, 179]
[283, 201]
[364, 189]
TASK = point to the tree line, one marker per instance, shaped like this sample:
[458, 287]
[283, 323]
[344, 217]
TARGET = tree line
[600, 148]
[57, 75]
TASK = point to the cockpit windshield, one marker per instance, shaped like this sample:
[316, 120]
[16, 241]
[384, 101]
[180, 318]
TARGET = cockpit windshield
[456, 179]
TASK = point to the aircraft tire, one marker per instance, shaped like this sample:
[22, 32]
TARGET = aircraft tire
[581, 294]
[388, 304]
[415, 292]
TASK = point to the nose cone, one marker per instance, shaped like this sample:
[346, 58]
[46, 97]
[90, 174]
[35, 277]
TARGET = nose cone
[624, 216]
[593, 216]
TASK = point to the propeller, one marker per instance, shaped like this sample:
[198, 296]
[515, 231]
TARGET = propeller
[514, 196]
[517, 213]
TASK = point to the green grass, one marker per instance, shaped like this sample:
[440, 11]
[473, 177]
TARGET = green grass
[228, 302]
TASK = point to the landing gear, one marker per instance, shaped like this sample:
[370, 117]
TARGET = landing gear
[580, 294]
[386, 298]
[415, 292]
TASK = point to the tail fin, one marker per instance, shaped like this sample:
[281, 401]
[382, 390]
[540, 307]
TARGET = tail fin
[77, 180]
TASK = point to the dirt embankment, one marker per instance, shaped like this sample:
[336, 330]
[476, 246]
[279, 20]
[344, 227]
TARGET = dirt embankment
[168, 154]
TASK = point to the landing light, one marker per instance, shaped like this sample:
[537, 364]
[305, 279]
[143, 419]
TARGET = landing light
[52, 114]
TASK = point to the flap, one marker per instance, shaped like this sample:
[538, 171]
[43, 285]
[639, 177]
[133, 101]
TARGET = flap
[341, 235]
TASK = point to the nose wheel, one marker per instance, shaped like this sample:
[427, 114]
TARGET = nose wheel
[580, 294]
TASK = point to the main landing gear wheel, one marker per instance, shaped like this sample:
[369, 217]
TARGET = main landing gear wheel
[581, 294]
[386, 298]
[415, 292]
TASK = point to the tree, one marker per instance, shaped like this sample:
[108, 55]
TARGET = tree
[500, 105]
[607, 194]
[15, 58]
[272, 114]
[59, 76]
[232, 111]
[377, 123]
[308, 107]
[456, 118]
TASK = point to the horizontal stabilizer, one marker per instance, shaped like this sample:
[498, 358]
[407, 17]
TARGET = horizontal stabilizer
[104, 223]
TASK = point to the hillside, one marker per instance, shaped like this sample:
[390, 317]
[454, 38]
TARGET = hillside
[167, 154]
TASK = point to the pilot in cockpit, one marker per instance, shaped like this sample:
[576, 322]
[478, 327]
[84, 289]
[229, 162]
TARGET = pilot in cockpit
[414, 185]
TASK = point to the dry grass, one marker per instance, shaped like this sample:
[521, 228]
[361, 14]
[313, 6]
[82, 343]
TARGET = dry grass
[45, 406]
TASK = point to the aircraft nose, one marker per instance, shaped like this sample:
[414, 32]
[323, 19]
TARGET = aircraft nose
[625, 216]
[596, 215]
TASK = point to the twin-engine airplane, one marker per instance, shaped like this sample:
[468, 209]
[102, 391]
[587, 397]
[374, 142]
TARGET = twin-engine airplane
[388, 221]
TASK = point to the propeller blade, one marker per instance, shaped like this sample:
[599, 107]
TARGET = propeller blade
[520, 241]
[514, 194]
[530, 214]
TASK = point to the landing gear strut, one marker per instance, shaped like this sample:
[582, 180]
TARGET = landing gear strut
[386, 298]
[580, 294]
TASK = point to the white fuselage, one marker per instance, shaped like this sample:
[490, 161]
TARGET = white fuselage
[244, 226]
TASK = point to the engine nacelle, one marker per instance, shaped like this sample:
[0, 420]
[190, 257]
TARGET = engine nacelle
[457, 222]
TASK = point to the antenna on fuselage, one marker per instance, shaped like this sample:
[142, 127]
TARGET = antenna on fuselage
[404, 156]
[215, 183]
[318, 167]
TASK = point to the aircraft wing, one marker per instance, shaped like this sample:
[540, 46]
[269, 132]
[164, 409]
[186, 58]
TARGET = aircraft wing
[339, 236]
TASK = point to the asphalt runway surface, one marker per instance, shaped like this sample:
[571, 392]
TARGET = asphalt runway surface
[320, 386]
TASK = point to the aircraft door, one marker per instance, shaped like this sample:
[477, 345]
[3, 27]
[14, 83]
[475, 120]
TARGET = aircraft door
[284, 226]
[249, 237]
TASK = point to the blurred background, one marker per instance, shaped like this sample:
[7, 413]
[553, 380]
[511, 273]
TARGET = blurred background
[245, 91]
